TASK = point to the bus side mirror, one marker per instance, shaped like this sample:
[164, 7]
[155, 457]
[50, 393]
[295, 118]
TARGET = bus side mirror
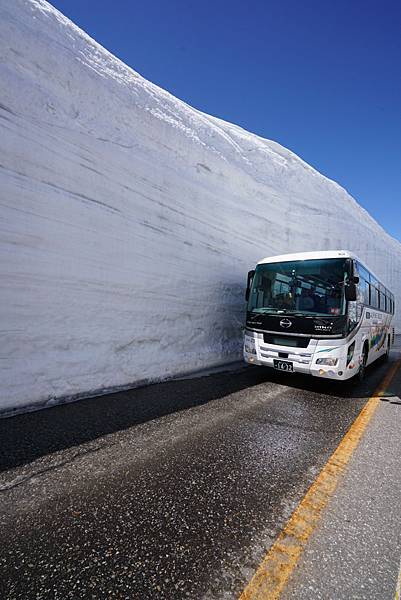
[350, 291]
[251, 275]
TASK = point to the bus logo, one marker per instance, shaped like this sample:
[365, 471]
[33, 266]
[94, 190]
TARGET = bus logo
[286, 323]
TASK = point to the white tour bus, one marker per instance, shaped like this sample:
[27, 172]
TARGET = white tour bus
[322, 313]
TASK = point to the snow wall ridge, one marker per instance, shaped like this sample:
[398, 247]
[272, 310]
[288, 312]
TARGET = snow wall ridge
[225, 126]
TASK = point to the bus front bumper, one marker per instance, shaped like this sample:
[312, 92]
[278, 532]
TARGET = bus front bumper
[303, 365]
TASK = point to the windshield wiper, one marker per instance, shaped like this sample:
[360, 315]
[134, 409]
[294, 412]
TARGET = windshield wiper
[279, 311]
[292, 313]
[298, 313]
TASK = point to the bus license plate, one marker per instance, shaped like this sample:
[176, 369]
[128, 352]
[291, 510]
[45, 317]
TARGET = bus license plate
[283, 365]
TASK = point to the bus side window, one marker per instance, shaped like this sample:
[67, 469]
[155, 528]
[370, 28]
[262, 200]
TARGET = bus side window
[374, 297]
[363, 272]
[364, 287]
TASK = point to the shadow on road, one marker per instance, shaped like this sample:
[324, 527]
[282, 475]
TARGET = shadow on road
[26, 437]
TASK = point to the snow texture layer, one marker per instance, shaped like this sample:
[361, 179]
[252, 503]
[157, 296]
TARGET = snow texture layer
[129, 220]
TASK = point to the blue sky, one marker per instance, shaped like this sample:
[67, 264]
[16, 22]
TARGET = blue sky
[321, 77]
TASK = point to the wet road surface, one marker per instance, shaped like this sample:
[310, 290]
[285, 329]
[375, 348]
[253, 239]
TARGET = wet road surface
[358, 540]
[171, 491]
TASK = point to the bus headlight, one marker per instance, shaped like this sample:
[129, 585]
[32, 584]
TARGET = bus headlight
[249, 345]
[332, 362]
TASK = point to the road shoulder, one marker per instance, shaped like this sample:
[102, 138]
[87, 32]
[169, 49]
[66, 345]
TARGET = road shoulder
[356, 551]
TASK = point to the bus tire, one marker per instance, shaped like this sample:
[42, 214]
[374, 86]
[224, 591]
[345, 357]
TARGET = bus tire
[362, 367]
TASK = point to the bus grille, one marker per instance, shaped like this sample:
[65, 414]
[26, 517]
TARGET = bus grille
[283, 340]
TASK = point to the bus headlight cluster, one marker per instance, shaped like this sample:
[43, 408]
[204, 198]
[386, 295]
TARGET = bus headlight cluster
[331, 362]
[249, 345]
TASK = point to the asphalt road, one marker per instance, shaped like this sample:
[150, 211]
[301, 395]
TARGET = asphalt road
[171, 491]
[355, 551]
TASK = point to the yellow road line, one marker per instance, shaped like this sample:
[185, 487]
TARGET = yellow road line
[278, 564]
[398, 587]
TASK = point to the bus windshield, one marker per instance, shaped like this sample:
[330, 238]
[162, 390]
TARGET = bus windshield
[305, 287]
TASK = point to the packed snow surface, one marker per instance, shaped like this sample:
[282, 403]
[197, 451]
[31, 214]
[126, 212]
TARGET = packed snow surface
[129, 219]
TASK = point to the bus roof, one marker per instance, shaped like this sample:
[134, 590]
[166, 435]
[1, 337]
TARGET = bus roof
[308, 256]
[316, 256]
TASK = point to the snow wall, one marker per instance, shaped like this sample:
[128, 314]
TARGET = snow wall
[129, 220]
